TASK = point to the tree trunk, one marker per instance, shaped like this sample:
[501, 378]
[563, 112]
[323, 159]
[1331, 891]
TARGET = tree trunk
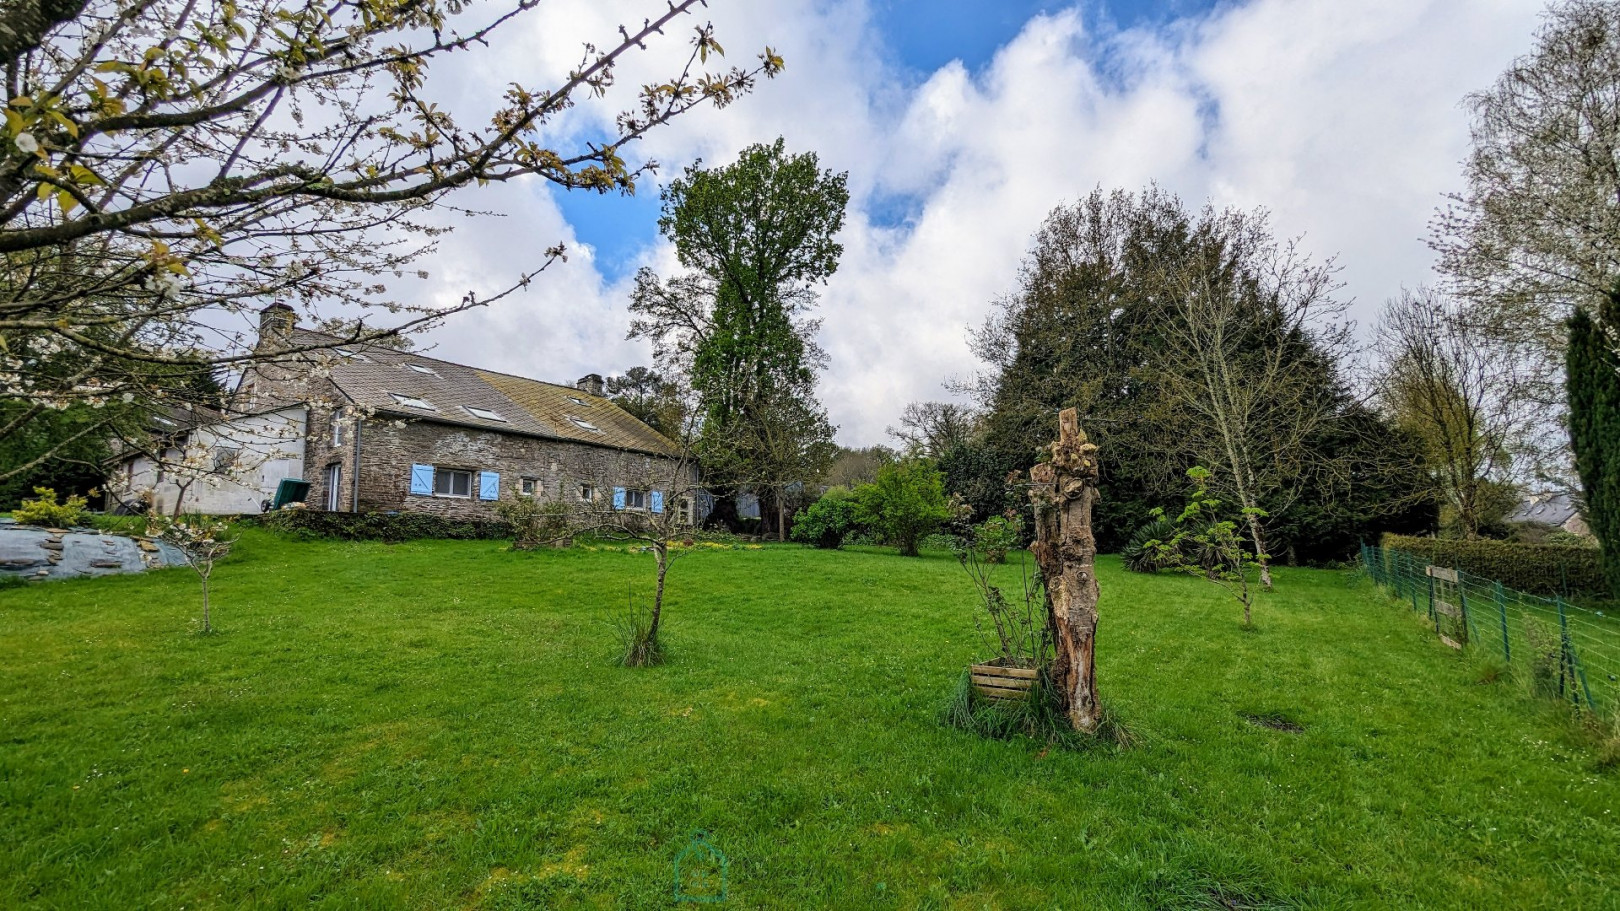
[781, 519]
[1260, 555]
[207, 627]
[661, 554]
[1063, 491]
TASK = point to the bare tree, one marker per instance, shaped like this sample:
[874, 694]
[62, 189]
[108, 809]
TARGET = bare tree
[657, 511]
[1444, 381]
[1537, 231]
[1251, 326]
[934, 428]
[785, 445]
[168, 166]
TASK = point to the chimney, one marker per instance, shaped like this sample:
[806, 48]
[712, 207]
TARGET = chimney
[276, 323]
[590, 384]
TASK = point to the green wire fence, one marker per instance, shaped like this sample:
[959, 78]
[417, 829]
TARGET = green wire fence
[1571, 652]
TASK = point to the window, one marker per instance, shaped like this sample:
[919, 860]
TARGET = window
[484, 413]
[411, 401]
[337, 429]
[225, 457]
[449, 482]
[587, 493]
[529, 487]
[421, 368]
[635, 499]
[584, 424]
[577, 401]
[683, 509]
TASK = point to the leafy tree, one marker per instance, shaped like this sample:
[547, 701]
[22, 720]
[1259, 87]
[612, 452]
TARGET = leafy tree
[935, 428]
[1081, 329]
[1594, 430]
[853, 467]
[757, 237]
[1204, 544]
[651, 398]
[1444, 384]
[1178, 343]
[826, 522]
[168, 167]
[905, 504]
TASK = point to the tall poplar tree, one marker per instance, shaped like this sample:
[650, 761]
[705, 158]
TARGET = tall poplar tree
[757, 237]
[1594, 429]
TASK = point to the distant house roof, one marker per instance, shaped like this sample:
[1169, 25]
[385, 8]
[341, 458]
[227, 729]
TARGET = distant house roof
[406, 384]
[1546, 509]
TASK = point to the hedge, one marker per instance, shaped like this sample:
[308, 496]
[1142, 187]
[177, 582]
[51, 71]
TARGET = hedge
[382, 526]
[1537, 569]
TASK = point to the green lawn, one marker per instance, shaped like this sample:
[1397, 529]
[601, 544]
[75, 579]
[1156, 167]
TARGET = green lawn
[439, 725]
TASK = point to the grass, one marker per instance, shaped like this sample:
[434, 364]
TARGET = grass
[441, 724]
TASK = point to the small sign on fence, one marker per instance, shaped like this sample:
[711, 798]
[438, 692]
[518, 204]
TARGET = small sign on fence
[1443, 574]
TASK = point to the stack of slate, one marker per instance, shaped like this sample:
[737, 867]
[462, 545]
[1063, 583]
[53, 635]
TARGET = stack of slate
[38, 554]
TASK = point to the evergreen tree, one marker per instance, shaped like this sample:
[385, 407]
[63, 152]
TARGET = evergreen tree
[1594, 427]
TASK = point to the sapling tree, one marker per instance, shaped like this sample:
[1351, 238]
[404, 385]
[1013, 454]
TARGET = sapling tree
[202, 541]
[1204, 544]
[655, 512]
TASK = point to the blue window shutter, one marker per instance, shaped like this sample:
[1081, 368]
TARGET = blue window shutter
[489, 485]
[422, 480]
[657, 500]
[618, 498]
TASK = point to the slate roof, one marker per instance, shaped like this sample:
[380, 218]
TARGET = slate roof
[1554, 510]
[375, 377]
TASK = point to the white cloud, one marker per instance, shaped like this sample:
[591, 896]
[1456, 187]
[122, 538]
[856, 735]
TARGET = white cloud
[1342, 118]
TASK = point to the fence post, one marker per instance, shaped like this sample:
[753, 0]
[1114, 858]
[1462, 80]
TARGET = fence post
[1432, 615]
[1462, 605]
[1566, 649]
[1501, 608]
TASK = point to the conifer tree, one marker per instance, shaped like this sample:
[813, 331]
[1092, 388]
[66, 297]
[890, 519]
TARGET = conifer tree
[1594, 427]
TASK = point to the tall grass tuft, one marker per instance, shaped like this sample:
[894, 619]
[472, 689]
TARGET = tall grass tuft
[1036, 717]
[639, 643]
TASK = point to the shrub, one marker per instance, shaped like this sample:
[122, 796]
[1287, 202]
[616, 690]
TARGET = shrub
[44, 510]
[1138, 556]
[997, 535]
[1539, 569]
[905, 504]
[378, 526]
[829, 520]
[534, 522]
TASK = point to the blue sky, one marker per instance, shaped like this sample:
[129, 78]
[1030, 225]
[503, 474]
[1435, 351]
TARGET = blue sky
[1339, 118]
[921, 36]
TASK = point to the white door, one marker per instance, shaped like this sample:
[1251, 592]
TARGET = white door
[334, 487]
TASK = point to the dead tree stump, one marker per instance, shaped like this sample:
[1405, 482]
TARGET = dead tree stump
[1062, 491]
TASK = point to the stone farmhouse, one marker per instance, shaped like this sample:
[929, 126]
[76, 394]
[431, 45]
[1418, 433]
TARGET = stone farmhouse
[374, 429]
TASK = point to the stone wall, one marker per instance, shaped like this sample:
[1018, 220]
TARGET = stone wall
[560, 467]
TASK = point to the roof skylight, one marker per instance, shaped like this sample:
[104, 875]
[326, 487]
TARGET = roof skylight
[411, 401]
[584, 424]
[422, 368]
[484, 413]
[576, 401]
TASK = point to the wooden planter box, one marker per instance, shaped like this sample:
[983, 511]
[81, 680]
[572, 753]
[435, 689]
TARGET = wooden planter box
[1001, 679]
